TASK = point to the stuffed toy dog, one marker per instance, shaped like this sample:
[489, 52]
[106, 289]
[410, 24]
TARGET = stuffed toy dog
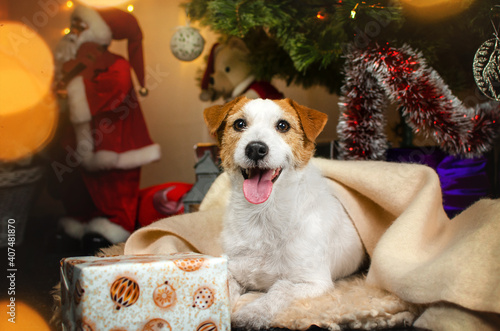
[228, 75]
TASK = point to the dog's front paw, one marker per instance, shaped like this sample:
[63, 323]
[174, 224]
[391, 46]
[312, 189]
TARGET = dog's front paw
[252, 316]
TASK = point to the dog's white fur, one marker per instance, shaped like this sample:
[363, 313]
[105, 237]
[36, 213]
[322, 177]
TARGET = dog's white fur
[298, 241]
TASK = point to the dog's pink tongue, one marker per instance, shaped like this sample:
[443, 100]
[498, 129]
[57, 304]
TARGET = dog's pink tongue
[259, 186]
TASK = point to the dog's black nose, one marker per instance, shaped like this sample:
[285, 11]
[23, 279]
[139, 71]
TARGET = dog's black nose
[256, 150]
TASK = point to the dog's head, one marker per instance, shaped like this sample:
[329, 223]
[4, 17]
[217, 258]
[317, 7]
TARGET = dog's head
[261, 139]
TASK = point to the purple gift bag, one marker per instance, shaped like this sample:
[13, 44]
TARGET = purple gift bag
[463, 181]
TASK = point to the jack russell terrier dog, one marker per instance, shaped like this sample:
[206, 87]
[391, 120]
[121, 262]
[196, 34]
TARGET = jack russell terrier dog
[284, 232]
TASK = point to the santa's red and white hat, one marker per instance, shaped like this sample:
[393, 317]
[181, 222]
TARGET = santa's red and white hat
[107, 24]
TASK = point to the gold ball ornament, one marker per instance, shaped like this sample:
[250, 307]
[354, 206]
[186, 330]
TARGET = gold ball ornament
[84, 326]
[78, 292]
[203, 298]
[157, 324]
[189, 264]
[486, 68]
[124, 292]
[207, 326]
[187, 43]
[164, 296]
[486, 64]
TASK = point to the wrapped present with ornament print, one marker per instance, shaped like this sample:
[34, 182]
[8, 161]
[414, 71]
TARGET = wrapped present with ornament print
[185, 291]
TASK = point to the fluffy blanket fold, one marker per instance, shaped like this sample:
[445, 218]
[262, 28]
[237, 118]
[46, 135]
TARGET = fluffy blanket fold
[425, 269]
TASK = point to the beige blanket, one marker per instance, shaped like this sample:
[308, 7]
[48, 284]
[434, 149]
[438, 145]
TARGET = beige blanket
[426, 269]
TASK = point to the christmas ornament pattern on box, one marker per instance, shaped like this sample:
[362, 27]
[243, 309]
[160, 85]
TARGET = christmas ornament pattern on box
[145, 292]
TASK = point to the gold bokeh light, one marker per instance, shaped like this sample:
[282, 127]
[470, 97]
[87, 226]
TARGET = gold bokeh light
[29, 110]
[434, 10]
[103, 3]
[30, 317]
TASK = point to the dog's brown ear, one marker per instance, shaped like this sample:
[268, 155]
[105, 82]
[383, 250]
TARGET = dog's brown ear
[312, 121]
[215, 115]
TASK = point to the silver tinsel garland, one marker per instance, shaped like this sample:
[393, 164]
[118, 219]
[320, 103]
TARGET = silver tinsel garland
[377, 73]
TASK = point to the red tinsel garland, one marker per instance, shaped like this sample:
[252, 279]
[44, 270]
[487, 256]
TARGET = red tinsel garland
[427, 103]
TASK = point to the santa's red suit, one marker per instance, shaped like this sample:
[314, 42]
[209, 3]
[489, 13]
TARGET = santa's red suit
[108, 133]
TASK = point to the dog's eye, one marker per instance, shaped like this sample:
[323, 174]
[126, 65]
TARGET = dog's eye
[283, 126]
[227, 69]
[239, 125]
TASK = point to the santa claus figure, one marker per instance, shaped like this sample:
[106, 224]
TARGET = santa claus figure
[106, 141]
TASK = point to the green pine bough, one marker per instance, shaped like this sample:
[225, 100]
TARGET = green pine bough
[304, 41]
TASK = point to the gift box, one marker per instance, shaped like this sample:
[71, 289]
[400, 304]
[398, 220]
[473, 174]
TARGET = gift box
[145, 292]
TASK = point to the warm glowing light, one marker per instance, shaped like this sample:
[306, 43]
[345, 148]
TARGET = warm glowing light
[66, 31]
[30, 317]
[353, 11]
[103, 3]
[31, 58]
[130, 8]
[29, 111]
[320, 16]
[69, 4]
[432, 10]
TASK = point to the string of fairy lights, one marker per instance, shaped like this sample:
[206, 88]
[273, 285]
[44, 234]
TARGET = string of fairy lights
[321, 15]
[70, 5]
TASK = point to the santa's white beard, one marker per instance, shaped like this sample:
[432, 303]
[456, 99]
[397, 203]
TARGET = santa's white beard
[65, 51]
[68, 46]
